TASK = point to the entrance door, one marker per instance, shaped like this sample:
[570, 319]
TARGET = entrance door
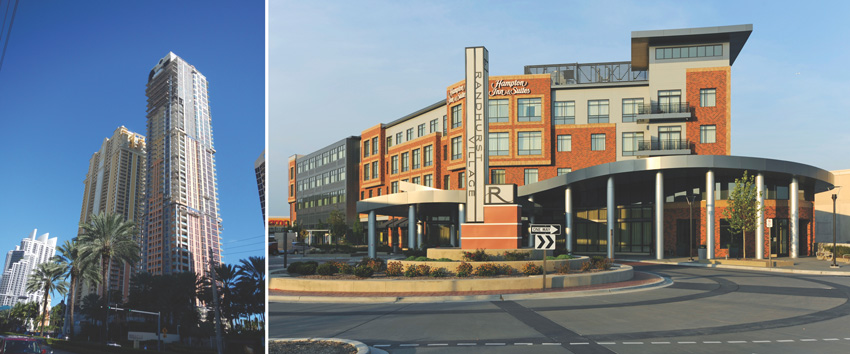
[779, 238]
[683, 242]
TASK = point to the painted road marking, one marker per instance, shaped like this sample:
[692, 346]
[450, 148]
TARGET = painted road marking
[614, 343]
[660, 342]
[585, 343]
[551, 343]
[438, 344]
[761, 341]
[632, 342]
[494, 343]
[712, 342]
[467, 344]
[687, 342]
[382, 345]
[523, 344]
[408, 345]
[736, 341]
[606, 343]
[784, 340]
[808, 340]
[830, 339]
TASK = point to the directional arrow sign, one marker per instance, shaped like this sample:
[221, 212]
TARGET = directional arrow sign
[553, 229]
[544, 242]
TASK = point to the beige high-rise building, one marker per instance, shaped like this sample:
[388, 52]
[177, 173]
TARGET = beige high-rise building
[115, 183]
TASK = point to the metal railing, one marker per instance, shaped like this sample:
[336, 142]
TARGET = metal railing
[654, 145]
[590, 73]
[655, 107]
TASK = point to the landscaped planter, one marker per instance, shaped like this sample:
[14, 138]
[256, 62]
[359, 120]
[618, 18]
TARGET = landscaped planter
[551, 265]
[616, 274]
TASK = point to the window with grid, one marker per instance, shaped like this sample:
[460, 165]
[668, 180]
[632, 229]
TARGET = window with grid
[564, 112]
[447, 181]
[461, 179]
[428, 181]
[497, 177]
[405, 161]
[366, 148]
[597, 142]
[529, 143]
[394, 164]
[389, 142]
[631, 141]
[445, 125]
[708, 134]
[563, 171]
[597, 111]
[530, 176]
[457, 112]
[631, 106]
[366, 173]
[565, 142]
[433, 126]
[398, 138]
[707, 97]
[416, 159]
[428, 156]
[528, 110]
[409, 134]
[394, 187]
[374, 169]
[498, 111]
[457, 148]
[420, 130]
[415, 180]
[498, 144]
[375, 146]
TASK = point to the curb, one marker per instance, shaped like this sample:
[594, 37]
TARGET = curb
[467, 298]
[759, 269]
[359, 346]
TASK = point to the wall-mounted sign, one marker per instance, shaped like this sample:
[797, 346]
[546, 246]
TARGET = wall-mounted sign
[499, 193]
[509, 87]
[456, 94]
[279, 222]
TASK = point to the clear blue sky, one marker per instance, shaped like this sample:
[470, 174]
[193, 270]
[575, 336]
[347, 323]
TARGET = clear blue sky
[76, 70]
[339, 67]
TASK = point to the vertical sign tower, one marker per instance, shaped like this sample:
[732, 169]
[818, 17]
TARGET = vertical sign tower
[477, 82]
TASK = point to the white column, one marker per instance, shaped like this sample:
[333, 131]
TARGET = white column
[373, 252]
[531, 221]
[420, 225]
[568, 216]
[659, 215]
[612, 216]
[760, 216]
[453, 235]
[795, 217]
[411, 227]
[461, 212]
[709, 214]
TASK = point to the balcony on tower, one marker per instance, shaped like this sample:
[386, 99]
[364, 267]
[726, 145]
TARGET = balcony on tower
[663, 147]
[664, 112]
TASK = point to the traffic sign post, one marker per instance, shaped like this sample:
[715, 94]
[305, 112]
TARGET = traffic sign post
[544, 236]
[769, 224]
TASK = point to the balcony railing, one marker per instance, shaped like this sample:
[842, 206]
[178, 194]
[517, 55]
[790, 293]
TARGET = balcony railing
[591, 73]
[657, 145]
[655, 108]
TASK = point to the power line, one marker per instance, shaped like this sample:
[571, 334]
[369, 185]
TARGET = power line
[9, 33]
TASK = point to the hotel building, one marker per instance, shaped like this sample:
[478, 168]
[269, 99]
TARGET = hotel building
[115, 184]
[655, 129]
[181, 226]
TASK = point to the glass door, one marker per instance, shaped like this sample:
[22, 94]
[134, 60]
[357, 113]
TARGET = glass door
[779, 238]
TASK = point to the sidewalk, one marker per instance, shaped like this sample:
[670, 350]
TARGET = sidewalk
[802, 265]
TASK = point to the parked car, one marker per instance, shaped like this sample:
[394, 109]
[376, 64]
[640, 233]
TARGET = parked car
[20, 345]
[298, 247]
[46, 348]
[273, 246]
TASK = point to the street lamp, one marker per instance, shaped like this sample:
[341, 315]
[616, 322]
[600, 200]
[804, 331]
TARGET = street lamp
[691, 199]
[834, 240]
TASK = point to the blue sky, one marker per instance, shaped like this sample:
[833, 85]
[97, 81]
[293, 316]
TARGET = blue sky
[75, 71]
[339, 67]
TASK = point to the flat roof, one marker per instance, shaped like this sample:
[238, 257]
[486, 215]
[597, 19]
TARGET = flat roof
[736, 35]
[414, 114]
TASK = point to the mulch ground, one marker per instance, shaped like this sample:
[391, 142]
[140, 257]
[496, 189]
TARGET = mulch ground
[640, 278]
[311, 347]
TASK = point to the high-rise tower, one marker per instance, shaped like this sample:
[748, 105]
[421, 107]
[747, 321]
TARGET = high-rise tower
[115, 184]
[181, 226]
[20, 263]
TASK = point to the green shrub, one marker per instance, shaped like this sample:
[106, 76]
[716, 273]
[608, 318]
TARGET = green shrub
[445, 260]
[532, 269]
[476, 256]
[308, 268]
[410, 272]
[423, 270]
[439, 272]
[842, 250]
[563, 268]
[486, 270]
[394, 269]
[563, 256]
[504, 269]
[376, 264]
[363, 271]
[327, 269]
[464, 269]
[415, 253]
[422, 259]
[346, 268]
[293, 267]
[411, 258]
[515, 256]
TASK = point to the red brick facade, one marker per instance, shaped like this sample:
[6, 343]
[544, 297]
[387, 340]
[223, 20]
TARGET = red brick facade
[710, 78]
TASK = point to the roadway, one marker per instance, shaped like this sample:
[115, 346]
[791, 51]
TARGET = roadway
[705, 310]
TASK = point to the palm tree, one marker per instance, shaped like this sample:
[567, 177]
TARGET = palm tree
[108, 237]
[252, 274]
[78, 270]
[47, 278]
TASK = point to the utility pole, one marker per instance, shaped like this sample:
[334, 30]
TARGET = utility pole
[216, 305]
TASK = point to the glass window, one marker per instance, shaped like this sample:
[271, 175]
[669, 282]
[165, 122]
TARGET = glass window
[433, 126]
[457, 118]
[530, 175]
[428, 156]
[498, 144]
[394, 187]
[415, 180]
[708, 134]
[563, 171]
[498, 111]
[405, 161]
[375, 146]
[446, 181]
[374, 169]
[631, 107]
[366, 173]
[456, 148]
[416, 159]
[394, 164]
[461, 180]
[670, 137]
[631, 141]
[597, 111]
[389, 141]
[707, 97]
[497, 177]
[597, 142]
[714, 50]
[529, 143]
[366, 148]
[398, 138]
[445, 125]
[528, 110]
[429, 181]
[565, 143]
[564, 112]
[669, 101]
[420, 130]
[409, 134]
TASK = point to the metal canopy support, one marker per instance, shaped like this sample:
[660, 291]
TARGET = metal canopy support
[411, 227]
[612, 216]
[760, 216]
[568, 216]
[795, 217]
[373, 253]
[659, 215]
[709, 214]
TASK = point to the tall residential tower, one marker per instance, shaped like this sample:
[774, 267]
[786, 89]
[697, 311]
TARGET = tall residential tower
[181, 226]
[115, 184]
[20, 263]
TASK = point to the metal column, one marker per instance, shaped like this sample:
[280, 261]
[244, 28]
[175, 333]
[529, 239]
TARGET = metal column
[453, 235]
[461, 212]
[531, 221]
[612, 216]
[411, 227]
[420, 225]
[659, 215]
[760, 217]
[795, 217]
[373, 252]
[568, 219]
[709, 214]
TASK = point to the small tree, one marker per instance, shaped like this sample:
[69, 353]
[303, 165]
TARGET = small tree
[742, 210]
[338, 227]
[357, 231]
